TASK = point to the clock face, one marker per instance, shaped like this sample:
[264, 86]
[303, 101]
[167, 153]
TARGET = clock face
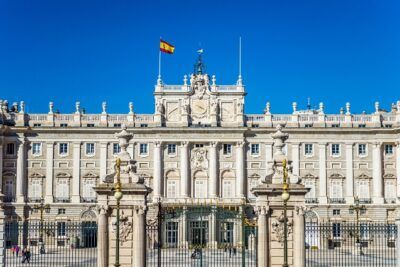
[199, 107]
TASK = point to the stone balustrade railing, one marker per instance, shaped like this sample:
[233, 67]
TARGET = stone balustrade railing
[378, 120]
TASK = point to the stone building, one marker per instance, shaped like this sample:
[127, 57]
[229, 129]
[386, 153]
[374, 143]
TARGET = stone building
[197, 147]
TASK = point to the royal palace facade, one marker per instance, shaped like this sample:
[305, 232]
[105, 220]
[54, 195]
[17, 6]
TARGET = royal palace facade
[199, 147]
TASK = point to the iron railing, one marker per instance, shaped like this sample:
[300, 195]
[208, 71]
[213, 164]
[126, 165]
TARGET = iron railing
[336, 200]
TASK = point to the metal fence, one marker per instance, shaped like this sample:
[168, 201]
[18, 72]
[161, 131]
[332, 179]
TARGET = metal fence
[350, 244]
[201, 236]
[48, 244]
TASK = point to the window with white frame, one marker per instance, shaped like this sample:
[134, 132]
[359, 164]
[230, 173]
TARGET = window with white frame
[10, 149]
[172, 188]
[88, 191]
[363, 188]
[200, 188]
[143, 149]
[310, 183]
[63, 148]
[62, 190]
[388, 149]
[252, 182]
[390, 189]
[335, 149]
[171, 149]
[36, 149]
[9, 189]
[227, 149]
[116, 148]
[336, 189]
[172, 233]
[35, 189]
[362, 149]
[255, 149]
[227, 188]
[89, 148]
[308, 149]
[61, 229]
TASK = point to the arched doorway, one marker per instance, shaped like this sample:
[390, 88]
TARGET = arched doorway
[89, 229]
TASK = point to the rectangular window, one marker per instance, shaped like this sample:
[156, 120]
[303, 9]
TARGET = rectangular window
[255, 149]
[89, 148]
[227, 149]
[336, 212]
[61, 229]
[116, 148]
[335, 125]
[62, 189]
[310, 184]
[308, 149]
[336, 229]
[36, 148]
[63, 148]
[361, 126]
[363, 188]
[35, 189]
[308, 126]
[61, 211]
[63, 125]
[171, 188]
[90, 125]
[143, 149]
[10, 149]
[227, 188]
[171, 149]
[37, 125]
[390, 189]
[200, 188]
[172, 233]
[362, 149]
[88, 191]
[336, 190]
[388, 149]
[226, 232]
[199, 145]
[335, 149]
[117, 125]
[388, 126]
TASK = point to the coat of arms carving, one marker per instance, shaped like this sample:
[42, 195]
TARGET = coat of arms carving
[199, 159]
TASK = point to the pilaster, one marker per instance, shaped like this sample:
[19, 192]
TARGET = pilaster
[102, 233]
[322, 174]
[21, 172]
[184, 168]
[298, 237]
[398, 167]
[240, 179]
[213, 169]
[49, 172]
[1, 164]
[349, 174]
[103, 160]
[377, 178]
[158, 172]
[76, 172]
[296, 158]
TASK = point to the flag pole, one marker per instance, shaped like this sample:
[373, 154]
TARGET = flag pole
[159, 66]
[239, 82]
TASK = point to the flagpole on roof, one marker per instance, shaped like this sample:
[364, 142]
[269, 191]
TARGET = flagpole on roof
[159, 66]
[239, 82]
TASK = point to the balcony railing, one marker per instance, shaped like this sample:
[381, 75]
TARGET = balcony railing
[34, 199]
[337, 201]
[88, 199]
[365, 200]
[390, 200]
[61, 199]
[9, 199]
[311, 200]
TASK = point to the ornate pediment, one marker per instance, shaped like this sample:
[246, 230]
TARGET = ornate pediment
[200, 86]
[91, 175]
[63, 175]
[310, 176]
[254, 176]
[36, 175]
[389, 176]
[363, 176]
[336, 176]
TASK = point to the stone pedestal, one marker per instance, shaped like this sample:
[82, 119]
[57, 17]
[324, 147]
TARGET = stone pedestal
[132, 225]
[270, 225]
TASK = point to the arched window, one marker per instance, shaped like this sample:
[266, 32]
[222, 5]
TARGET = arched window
[228, 184]
[172, 184]
[200, 184]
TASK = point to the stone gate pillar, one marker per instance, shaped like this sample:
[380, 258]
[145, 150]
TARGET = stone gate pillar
[132, 219]
[270, 208]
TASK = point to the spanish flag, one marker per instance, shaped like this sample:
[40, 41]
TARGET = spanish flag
[166, 47]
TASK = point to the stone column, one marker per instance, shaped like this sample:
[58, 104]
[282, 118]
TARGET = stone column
[185, 177]
[158, 173]
[298, 237]
[213, 170]
[102, 233]
[213, 228]
[322, 174]
[263, 237]
[296, 158]
[76, 172]
[377, 178]
[349, 174]
[184, 239]
[398, 167]
[139, 240]
[240, 179]
[103, 160]
[21, 177]
[49, 171]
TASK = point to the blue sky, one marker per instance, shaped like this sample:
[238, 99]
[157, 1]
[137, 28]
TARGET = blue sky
[94, 51]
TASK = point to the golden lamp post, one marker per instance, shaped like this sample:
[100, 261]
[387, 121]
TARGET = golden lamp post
[41, 208]
[118, 196]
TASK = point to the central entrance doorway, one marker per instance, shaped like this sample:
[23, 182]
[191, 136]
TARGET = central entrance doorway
[198, 232]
